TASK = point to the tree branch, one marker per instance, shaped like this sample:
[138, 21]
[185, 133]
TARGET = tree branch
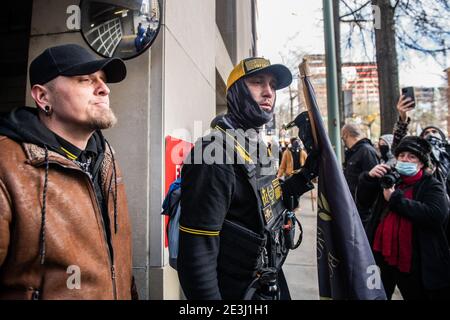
[353, 12]
[356, 21]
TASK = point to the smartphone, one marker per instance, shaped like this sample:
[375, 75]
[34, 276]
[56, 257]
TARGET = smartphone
[408, 92]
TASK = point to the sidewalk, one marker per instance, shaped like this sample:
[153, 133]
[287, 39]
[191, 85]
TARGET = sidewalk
[300, 267]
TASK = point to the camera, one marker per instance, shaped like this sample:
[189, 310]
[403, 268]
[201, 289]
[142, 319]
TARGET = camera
[390, 179]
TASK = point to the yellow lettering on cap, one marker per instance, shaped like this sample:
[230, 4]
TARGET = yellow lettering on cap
[251, 65]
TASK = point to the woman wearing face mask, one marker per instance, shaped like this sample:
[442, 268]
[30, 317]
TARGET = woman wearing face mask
[384, 147]
[406, 227]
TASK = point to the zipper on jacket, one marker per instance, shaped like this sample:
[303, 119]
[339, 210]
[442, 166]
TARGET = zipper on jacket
[99, 212]
[113, 277]
[110, 254]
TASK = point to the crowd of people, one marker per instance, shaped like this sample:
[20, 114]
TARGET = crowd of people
[65, 231]
[401, 188]
[402, 194]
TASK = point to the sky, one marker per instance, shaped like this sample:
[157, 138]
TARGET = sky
[285, 25]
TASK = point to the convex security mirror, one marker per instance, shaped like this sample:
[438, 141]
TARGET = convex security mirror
[120, 28]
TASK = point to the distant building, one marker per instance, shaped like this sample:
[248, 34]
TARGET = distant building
[431, 108]
[361, 96]
[359, 83]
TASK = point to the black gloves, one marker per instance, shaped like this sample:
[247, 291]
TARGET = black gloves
[311, 167]
[305, 131]
[300, 182]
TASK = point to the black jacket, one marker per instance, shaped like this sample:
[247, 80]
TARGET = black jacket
[211, 264]
[428, 211]
[209, 192]
[359, 158]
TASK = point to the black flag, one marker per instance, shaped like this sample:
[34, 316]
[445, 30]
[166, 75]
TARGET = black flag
[345, 263]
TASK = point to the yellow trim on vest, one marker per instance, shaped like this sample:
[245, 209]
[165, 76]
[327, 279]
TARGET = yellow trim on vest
[69, 155]
[244, 154]
[199, 232]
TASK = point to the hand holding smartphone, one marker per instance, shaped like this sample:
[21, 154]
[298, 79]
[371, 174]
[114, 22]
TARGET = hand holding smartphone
[408, 92]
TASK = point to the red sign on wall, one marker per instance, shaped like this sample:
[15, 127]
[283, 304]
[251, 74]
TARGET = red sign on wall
[176, 151]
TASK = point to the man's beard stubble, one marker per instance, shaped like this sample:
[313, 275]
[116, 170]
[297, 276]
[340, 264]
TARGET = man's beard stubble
[102, 119]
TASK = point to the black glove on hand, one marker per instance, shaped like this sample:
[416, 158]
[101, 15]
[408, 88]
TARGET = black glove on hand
[293, 187]
[305, 131]
[300, 182]
[311, 167]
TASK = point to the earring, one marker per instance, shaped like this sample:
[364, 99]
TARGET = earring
[48, 111]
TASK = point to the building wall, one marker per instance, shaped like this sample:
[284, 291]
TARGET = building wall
[244, 29]
[172, 89]
[15, 20]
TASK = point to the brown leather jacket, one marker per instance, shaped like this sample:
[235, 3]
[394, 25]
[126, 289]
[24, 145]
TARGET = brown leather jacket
[75, 243]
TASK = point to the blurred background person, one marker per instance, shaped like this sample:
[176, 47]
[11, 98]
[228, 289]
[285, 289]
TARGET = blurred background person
[294, 158]
[384, 147]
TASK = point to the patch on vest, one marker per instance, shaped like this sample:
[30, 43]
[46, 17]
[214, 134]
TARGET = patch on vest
[271, 193]
[270, 196]
[268, 214]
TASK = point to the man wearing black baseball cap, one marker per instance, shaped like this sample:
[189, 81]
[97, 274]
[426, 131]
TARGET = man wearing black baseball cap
[64, 224]
[235, 231]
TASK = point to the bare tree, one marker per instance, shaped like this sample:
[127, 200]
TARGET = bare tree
[418, 25]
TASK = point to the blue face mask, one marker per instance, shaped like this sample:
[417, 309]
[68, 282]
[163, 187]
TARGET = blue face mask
[408, 169]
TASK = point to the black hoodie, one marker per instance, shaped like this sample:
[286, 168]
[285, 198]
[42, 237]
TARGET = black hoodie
[243, 111]
[23, 125]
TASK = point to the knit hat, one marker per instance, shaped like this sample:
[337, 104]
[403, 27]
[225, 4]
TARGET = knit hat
[417, 146]
[388, 138]
[437, 129]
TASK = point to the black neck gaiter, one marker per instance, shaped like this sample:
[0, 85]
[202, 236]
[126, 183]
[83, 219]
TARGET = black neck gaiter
[243, 111]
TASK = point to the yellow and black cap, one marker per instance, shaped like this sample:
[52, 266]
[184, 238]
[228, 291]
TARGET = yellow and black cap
[254, 65]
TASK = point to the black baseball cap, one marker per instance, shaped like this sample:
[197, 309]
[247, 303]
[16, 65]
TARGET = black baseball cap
[73, 60]
[254, 65]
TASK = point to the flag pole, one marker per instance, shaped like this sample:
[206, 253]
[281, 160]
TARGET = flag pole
[332, 81]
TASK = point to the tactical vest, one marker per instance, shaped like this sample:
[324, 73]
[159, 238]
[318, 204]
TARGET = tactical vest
[249, 263]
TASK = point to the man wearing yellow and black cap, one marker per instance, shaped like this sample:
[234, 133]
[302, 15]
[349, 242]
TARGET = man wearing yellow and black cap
[235, 230]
